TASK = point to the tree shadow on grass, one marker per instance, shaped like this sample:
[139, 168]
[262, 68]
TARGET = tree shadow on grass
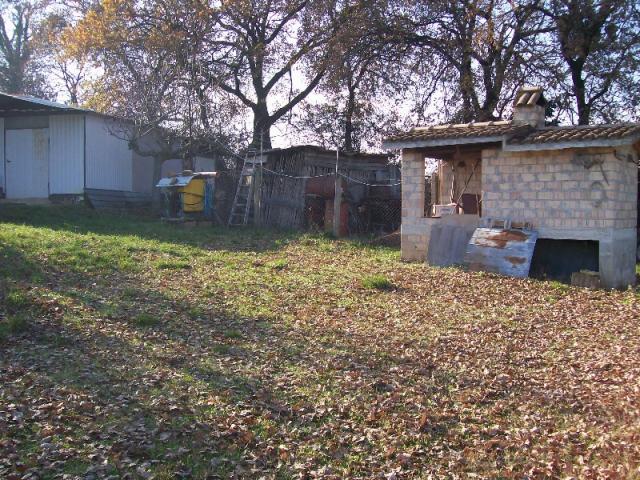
[16, 266]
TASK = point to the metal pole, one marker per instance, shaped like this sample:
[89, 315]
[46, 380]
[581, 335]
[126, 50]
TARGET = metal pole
[258, 185]
[337, 198]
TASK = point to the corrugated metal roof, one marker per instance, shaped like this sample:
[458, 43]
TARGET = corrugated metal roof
[296, 148]
[11, 103]
[184, 179]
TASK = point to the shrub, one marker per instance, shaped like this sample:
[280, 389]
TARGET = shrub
[377, 282]
[13, 324]
[279, 264]
[145, 320]
[173, 265]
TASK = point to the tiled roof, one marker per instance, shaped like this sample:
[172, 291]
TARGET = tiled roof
[517, 137]
[576, 134]
[495, 129]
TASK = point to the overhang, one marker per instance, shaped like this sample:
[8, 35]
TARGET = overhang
[15, 105]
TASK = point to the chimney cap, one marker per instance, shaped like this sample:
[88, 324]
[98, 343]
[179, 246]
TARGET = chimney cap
[529, 97]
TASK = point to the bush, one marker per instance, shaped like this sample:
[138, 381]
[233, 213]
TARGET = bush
[16, 300]
[146, 320]
[173, 265]
[377, 282]
[279, 264]
[13, 324]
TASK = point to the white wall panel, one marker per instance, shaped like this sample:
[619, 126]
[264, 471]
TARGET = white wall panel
[27, 155]
[66, 154]
[109, 160]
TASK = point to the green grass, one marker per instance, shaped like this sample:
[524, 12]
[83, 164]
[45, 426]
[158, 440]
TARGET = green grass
[377, 282]
[279, 264]
[146, 320]
[16, 300]
[173, 265]
[13, 324]
[232, 334]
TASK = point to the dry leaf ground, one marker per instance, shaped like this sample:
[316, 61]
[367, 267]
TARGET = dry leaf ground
[131, 349]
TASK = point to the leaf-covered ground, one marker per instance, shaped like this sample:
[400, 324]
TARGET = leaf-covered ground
[130, 349]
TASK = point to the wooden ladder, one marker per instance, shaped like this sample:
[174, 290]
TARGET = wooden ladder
[241, 207]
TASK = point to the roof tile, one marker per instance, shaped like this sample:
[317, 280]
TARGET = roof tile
[464, 130]
[576, 133]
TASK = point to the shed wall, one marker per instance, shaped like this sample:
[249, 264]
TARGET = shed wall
[109, 159]
[24, 122]
[66, 154]
[204, 164]
[172, 166]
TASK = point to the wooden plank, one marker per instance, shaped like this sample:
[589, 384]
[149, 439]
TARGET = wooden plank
[497, 250]
[117, 200]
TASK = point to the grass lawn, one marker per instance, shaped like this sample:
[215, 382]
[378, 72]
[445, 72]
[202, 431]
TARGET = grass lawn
[131, 348]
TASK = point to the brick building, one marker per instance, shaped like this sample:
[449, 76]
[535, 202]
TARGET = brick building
[575, 186]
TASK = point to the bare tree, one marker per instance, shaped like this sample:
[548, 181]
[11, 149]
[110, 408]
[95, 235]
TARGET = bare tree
[486, 46]
[364, 69]
[257, 45]
[599, 53]
[70, 72]
[19, 70]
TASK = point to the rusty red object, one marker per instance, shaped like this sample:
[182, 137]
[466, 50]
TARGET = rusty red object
[324, 187]
[501, 238]
[499, 250]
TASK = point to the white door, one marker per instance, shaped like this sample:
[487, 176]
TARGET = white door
[27, 161]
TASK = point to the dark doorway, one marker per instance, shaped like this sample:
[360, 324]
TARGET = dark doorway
[558, 259]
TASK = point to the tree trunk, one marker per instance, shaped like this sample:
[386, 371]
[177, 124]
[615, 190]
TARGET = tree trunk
[348, 122]
[262, 124]
[584, 109]
[466, 89]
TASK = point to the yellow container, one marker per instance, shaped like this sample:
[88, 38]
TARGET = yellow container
[193, 196]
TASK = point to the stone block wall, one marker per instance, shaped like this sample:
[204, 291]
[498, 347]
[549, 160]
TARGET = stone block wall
[554, 190]
[582, 194]
[414, 231]
[533, 115]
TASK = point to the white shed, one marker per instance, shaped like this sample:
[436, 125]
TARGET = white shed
[50, 150]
